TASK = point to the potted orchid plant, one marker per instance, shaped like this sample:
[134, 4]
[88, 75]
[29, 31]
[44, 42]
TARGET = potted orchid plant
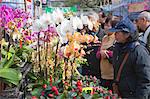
[15, 52]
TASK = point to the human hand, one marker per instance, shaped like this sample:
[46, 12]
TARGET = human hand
[103, 53]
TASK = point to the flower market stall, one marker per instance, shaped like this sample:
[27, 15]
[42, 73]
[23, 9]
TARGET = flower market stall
[42, 58]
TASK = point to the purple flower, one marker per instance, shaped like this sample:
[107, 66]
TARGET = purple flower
[8, 14]
[60, 53]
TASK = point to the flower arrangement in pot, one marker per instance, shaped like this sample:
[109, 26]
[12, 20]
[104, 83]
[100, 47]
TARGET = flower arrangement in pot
[15, 52]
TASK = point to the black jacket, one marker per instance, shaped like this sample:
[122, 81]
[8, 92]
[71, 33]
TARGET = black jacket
[135, 76]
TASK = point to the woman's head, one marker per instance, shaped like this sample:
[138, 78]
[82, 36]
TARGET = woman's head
[125, 31]
[122, 37]
[107, 24]
[110, 23]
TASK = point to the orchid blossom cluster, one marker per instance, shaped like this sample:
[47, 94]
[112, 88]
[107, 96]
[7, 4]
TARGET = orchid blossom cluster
[64, 25]
[49, 26]
[13, 21]
[75, 46]
[9, 14]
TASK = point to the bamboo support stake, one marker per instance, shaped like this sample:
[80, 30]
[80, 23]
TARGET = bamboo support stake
[1, 34]
[25, 5]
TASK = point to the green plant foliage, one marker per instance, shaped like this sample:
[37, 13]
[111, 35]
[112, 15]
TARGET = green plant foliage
[11, 75]
[11, 61]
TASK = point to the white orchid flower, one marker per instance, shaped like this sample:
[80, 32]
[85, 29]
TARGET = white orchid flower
[58, 16]
[90, 25]
[16, 36]
[77, 23]
[46, 19]
[65, 27]
[84, 19]
[37, 25]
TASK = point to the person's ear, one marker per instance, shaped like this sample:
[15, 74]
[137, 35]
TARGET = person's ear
[127, 35]
[144, 19]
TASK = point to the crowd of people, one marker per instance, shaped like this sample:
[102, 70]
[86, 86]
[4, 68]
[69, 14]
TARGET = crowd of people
[124, 54]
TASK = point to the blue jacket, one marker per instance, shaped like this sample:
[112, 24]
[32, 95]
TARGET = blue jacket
[135, 76]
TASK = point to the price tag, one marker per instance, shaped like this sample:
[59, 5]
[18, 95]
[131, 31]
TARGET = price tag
[87, 90]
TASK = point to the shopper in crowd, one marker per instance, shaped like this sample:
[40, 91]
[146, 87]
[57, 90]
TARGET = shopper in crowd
[107, 71]
[102, 18]
[143, 24]
[131, 63]
[106, 68]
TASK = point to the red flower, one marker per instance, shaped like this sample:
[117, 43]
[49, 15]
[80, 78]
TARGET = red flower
[20, 43]
[101, 89]
[54, 88]
[114, 97]
[66, 83]
[79, 83]
[73, 90]
[44, 86]
[56, 93]
[80, 88]
[110, 91]
[34, 97]
[68, 55]
[107, 97]
[74, 97]
[43, 93]
[51, 95]
[92, 93]
[50, 80]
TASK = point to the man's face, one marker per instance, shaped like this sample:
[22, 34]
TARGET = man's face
[121, 37]
[140, 22]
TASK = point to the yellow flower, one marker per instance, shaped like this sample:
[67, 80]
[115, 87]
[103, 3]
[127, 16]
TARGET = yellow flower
[82, 39]
[3, 42]
[89, 38]
[69, 37]
[67, 51]
[11, 25]
[76, 47]
[76, 36]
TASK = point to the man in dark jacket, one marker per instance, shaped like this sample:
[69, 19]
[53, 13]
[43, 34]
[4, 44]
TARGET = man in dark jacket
[143, 24]
[134, 80]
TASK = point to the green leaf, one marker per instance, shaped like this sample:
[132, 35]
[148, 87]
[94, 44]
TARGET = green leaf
[3, 61]
[74, 94]
[28, 48]
[36, 92]
[9, 55]
[11, 75]
[3, 52]
[95, 96]
[32, 76]
[13, 81]
[86, 96]
[62, 96]
[9, 62]
[11, 49]
[91, 84]
[48, 88]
